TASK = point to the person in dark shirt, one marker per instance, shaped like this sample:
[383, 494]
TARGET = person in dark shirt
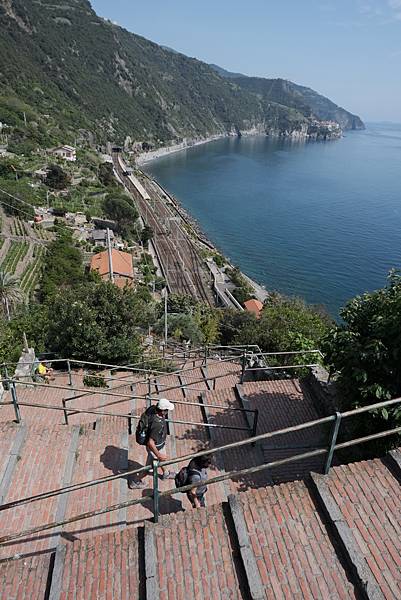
[155, 445]
[197, 473]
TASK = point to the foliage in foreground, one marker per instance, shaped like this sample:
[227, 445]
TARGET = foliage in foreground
[286, 324]
[365, 351]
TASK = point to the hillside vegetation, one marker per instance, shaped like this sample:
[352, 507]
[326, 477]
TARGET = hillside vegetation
[69, 70]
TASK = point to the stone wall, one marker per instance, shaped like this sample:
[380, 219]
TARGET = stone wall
[323, 390]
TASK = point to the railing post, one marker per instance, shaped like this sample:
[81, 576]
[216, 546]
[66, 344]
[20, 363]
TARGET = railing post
[65, 412]
[69, 372]
[148, 401]
[155, 491]
[255, 422]
[15, 402]
[149, 387]
[333, 442]
[214, 383]
[243, 367]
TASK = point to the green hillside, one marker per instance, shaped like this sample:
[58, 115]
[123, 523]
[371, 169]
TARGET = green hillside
[70, 71]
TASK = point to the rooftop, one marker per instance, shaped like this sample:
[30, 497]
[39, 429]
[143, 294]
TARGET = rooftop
[123, 269]
[254, 306]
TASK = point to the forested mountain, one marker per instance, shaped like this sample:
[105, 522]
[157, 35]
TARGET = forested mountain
[68, 69]
[307, 101]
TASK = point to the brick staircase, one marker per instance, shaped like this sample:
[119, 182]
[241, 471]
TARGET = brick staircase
[334, 536]
[326, 537]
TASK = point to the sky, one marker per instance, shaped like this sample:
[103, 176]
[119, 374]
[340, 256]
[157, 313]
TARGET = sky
[348, 50]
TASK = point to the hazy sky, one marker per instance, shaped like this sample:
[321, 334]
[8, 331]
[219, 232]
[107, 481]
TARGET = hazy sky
[349, 50]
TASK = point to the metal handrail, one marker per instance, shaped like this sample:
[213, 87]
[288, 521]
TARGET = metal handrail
[210, 481]
[130, 396]
[129, 416]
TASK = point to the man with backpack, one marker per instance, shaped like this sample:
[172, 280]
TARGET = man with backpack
[152, 433]
[195, 472]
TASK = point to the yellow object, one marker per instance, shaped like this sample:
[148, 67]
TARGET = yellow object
[42, 370]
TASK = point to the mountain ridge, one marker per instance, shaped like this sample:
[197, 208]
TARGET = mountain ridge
[64, 63]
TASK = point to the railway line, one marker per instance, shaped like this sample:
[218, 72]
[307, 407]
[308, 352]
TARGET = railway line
[177, 253]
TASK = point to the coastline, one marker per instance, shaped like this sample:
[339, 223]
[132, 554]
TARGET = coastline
[147, 157]
[259, 290]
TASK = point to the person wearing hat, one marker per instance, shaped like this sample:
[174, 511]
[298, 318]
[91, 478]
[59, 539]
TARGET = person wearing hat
[156, 440]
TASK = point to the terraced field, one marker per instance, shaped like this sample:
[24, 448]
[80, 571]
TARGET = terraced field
[31, 273]
[15, 254]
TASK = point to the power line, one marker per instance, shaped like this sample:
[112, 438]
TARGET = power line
[16, 198]
[15, 208]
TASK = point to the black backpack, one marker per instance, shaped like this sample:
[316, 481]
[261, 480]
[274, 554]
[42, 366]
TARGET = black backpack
[144, 424]
[182, 477]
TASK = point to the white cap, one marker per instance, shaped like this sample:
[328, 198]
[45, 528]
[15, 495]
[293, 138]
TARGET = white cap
[165, 404]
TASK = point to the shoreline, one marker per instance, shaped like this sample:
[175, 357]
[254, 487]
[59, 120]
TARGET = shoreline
[259, 289]
[146, 157]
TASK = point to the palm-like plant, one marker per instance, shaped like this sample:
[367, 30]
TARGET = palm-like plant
[10, 292]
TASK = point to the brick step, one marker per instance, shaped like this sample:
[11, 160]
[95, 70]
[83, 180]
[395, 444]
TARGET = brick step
[101, 452]
[10, 441]
[106, 566]
[192, 555]
[283, 404]
[38, 395]
[43, 461]
[362, 501]
[237, 458]
[285, 545]
[51, 396]
[335, 537]
[218, 368]
[26, 578]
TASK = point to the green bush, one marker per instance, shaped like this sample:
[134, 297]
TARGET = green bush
[94, 380]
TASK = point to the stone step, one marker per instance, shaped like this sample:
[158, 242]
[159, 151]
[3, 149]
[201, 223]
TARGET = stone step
[362, 502]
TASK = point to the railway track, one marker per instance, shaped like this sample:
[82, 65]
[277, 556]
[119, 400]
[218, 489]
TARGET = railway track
[177, 254]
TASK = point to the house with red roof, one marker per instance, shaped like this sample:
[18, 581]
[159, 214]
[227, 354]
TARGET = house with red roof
[121, 267]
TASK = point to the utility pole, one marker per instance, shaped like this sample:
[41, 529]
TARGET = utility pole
[110, 256]
[165, 294]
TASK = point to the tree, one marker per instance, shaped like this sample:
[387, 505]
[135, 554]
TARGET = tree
[120, 209]
[179, 303]
[208, 320]
[33, 321]
[10, 293]
[238, 327]
[98, 322]
[365, 352]
[289, 324]
[146, 235]
[181, 327]
[56, 178]
[63, 266]
[106, 174]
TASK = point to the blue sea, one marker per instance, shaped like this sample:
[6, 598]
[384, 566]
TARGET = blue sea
[321, 220]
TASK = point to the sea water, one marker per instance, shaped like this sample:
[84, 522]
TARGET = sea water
[321, 220]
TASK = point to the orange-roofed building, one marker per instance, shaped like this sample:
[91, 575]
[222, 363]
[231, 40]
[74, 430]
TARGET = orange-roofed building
[254, 306]
[123, 270]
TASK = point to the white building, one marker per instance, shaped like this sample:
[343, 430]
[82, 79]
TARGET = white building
[66, 152]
